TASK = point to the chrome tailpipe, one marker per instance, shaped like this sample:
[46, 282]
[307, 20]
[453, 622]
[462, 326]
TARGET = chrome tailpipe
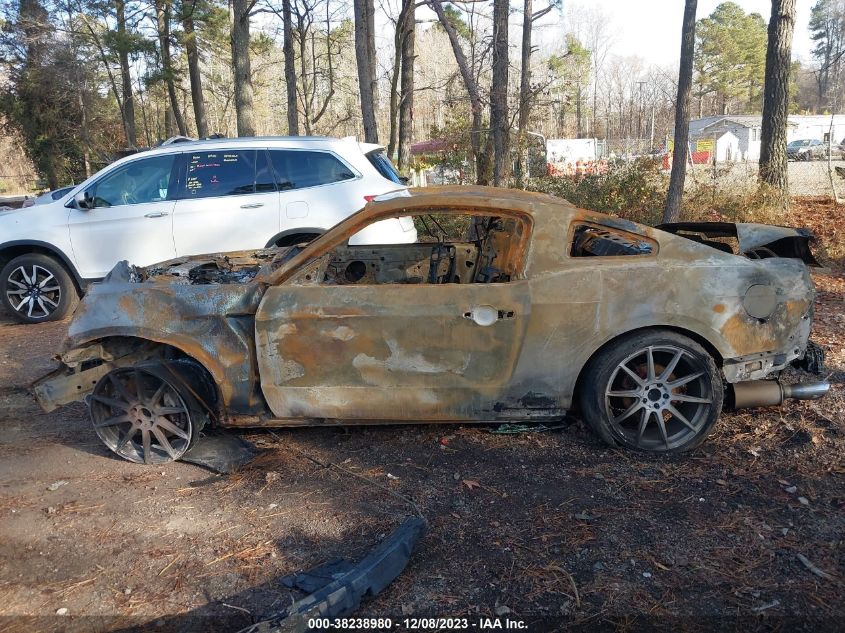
[767, 393]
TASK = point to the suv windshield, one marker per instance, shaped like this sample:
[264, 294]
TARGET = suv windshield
[383, 165]
[799, 143]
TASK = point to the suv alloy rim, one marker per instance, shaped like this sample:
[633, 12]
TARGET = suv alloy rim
[33, 291]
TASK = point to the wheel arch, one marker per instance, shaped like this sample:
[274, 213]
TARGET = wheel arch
[708, 345]
[173, 350]
[290, 233]
[16, 248]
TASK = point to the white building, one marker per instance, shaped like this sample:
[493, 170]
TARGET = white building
[746, 129]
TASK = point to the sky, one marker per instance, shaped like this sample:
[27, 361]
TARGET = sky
[651, 29]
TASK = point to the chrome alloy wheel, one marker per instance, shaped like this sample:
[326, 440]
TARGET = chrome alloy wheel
[34, 291]
[659, 397]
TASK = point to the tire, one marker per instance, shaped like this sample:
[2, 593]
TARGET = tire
[50, 296]
[146, 414]
[628, 401]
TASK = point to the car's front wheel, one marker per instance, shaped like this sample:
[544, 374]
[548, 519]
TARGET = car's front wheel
[146, 414]
[657, 391]
[37, 288]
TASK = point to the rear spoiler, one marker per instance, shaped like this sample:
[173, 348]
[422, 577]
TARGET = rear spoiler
[756, 241]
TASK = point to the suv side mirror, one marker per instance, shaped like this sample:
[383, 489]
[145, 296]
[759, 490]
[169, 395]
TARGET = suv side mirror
[82, 201]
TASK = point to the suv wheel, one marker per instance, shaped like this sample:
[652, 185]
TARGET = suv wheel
[35, 288]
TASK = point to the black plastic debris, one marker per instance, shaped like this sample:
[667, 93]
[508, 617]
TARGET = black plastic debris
[318, 577]
[342, 596]
[221, 452]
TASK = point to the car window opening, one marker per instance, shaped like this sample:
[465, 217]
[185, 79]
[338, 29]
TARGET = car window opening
[594, 241]
[460, 249]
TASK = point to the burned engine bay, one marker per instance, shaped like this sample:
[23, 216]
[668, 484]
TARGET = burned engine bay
[219, 268]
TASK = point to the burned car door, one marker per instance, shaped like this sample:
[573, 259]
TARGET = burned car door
[425, 331]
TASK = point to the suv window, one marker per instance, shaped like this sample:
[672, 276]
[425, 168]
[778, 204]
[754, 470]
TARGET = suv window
[381, 162]
[139, 182]
[223, 172]
[296, 169]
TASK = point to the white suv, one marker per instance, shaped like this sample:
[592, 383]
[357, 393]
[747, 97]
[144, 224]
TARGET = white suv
[188, 199]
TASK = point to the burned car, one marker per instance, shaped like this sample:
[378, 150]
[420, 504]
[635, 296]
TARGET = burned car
[510, 306]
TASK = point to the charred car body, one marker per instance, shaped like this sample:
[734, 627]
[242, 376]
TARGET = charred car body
[534, 308]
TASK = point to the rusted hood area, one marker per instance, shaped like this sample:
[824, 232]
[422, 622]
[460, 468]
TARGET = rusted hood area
[217, 268]
[757, 241]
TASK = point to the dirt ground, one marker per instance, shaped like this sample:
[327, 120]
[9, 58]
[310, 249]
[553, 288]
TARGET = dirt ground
[551, 527]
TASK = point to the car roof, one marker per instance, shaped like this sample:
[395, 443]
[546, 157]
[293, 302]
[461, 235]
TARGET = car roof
[313, 142]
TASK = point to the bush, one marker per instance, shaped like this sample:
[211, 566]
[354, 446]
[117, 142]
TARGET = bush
[636, 190]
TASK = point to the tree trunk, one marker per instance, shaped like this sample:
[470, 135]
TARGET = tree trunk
[524, 90]
[481, 157]
[125, 76]
[239, 25]
[499, 94]
[773, 165]
[672, 212]
[290, 70]
[406, 102]
[194, 68]
[163, 8]
[393, 114]
[365, 58]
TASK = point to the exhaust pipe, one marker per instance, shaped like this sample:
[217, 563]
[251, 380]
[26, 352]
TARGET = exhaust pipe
[767, 393]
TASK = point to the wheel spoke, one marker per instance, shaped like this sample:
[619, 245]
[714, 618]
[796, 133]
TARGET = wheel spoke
[683, 397]
[17, 283]
[42, 306]
[31, 305]
[26, 279]
[158, 394]
[145, 441]
[121, 388]
[128, 436]
[632, 374]
[680, 417]
[628, 412]
[667, 371]
[644, 418]
[169, 410]
[20, 305]
[16, 292]
[624, 394]
[162, 440]
[111, 402]
[169, 426]
[45, 280]
[651, 374]
[50, 301]
[662, 426]
[684, 380]
[118, 419]
[51, 289]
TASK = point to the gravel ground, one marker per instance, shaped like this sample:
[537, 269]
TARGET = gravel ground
[552, 528]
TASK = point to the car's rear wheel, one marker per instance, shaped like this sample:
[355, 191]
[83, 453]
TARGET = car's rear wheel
[37, 288]
[146, 414]
[658, 392]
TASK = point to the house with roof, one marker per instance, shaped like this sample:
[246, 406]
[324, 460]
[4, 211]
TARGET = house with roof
[736, 137]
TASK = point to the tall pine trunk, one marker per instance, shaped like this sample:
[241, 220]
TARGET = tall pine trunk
[365, 58]
[290, 70]
[194, 75]
[239, 24]
[499, 127]
[773, 165]
[163, 13]
[524, 90]
[406, 101]
[125, 76]
[672, 212]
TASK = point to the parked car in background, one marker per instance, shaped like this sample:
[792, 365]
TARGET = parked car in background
[47, 197]
[187, 198]
[806, 149]
[511, 306]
